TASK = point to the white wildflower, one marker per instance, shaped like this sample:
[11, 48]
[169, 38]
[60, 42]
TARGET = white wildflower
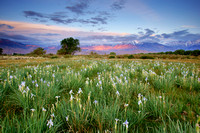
[32, 95]
[144, 99]
[67, 118]
[43, 109]
[125, 105]
[57, 97]
[48, 84]
[139, 102]
[52, 115]
[23, 83]
[126, 123]
[146, 79]
[50, 123]
[80, 91]
[20, 88]
[116, 120]
[117, 93]
[36, 85]
[95, 102]
[100, 82]
[27, 89]
[32, 110]
[71, 92]
[71, 97]
[24, 92]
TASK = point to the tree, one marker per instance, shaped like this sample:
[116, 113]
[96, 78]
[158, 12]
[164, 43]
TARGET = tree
[38, 51]
[196, 52]
[188, 52]
[69, 46]
[169, 52]
[112, 53]
[131, 57]
[179, 52]
[93, 53]
[1, 51]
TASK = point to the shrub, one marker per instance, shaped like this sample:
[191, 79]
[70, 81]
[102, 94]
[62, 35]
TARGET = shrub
[18, 54]
[54, 57]
[119, 56]
[48, 55]
[130, 57]
[1, 51]
[146, 57]
[110, 57]
[93, 53]
[67, 56]
[112, 53]
[38, 51]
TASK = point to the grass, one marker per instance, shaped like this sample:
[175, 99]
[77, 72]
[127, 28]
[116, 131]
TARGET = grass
[99, 95]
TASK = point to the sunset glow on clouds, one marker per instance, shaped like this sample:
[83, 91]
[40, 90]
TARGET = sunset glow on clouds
[26, 32]
[95, 22]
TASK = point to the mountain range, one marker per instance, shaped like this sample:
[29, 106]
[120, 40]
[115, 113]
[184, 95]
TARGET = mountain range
[10, 47]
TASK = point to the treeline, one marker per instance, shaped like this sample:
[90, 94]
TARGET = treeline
[183, 52]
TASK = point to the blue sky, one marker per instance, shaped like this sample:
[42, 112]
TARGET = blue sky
[46, 22]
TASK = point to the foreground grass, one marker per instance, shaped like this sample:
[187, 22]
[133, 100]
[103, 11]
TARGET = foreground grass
[70, 95]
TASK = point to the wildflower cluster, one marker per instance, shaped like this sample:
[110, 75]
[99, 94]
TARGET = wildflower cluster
[100, 95]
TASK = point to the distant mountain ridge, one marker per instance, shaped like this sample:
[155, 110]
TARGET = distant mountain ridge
[133, 48]
[10, 47]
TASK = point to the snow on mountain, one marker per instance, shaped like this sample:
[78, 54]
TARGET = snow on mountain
[184, 43]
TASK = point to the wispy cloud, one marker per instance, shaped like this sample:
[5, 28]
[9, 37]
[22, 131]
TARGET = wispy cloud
[190, 26]
[79, 12]
[80, 7]
[146, 35]
[176, 34]
[33, 14]
[182, 35]
[46, 34]
[118, 4]
[5, 26]
[100, 18]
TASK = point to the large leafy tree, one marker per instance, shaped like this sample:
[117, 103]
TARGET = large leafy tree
[69, 46]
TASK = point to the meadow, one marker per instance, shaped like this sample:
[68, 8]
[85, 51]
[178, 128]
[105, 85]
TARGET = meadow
[99, 95]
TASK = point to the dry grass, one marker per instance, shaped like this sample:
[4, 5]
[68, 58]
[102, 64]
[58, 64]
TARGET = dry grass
[24, 60]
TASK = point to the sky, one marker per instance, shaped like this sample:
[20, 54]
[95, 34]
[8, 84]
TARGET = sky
[97, 22]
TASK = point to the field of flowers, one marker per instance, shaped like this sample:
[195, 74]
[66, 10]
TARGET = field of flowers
[100, 96]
